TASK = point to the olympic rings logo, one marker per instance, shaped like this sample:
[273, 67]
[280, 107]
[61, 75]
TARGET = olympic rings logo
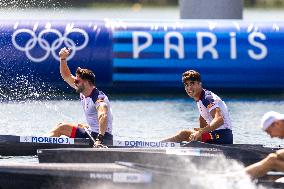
[49, 48]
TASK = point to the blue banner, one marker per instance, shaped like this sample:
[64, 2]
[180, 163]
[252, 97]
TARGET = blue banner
[29, 52]
[228, 54]
[124, 53]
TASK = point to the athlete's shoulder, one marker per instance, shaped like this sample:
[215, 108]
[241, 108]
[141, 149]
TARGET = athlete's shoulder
[98, 96]
[207, 98]
[101, 97]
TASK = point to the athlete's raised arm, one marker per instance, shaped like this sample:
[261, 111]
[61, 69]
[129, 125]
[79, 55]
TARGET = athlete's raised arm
[64, 69]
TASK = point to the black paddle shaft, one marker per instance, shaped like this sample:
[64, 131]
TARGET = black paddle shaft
[92, 140]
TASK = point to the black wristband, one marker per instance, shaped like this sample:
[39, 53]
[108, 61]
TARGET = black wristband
[62, 59]
[100, 138]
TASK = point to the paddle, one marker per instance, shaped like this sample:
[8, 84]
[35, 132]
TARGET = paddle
[92, 140]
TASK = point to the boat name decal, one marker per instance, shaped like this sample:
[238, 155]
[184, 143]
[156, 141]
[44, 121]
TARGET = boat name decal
[132, 177]
[51, 140]
[145, 144]
[122, 177]
[101, 176]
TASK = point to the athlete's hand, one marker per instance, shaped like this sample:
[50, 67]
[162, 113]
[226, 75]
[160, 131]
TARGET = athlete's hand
[98, 144]
[280, 154]
[195, 136]
[83, 126]
[64, 53]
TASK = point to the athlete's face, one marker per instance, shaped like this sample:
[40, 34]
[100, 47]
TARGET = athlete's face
[192, 88]
[276, 129]
[79, 84]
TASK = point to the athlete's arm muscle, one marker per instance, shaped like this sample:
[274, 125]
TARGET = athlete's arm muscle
[102, 117]
[218, 119]
[64, 69]
[202, 122]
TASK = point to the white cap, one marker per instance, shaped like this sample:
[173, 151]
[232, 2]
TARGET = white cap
[269, 118]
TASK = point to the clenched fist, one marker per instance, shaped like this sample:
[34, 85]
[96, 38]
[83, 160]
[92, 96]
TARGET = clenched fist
[64, 53]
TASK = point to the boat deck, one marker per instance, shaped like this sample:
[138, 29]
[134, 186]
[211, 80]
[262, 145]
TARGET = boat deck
[97, 175]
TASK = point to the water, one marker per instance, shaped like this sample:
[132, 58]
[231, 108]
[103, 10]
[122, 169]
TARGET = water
[149, 118]
[138, 117]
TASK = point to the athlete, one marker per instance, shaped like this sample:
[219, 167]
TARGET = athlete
[272, 123]
[95, 104]
[215, 124]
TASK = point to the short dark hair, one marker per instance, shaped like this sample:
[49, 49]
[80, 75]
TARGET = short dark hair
[191, 75]
[86, 74]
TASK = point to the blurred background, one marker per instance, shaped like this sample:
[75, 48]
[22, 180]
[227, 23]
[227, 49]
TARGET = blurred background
[127, 3]
[126, 9]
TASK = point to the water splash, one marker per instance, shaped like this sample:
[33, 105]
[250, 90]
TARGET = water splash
[218, 173]
[198, 172]
[16, 87]
[23, 4]
[215, 173]
[19, 80]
